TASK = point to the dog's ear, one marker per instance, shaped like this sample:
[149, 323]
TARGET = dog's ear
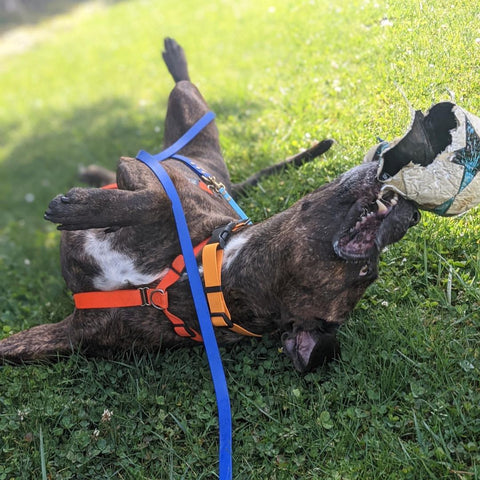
[310, 349]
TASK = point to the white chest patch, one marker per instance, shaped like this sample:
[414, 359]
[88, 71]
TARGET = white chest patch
[233, 247]
[118, 269]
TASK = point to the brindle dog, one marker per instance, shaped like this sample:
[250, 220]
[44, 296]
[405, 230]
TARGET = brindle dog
[300, 272]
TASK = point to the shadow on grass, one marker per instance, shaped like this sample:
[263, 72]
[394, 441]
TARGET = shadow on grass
[15, 13]
[46, 162]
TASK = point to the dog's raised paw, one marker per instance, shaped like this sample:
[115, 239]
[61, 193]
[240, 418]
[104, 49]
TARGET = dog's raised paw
[175, 60]
[69, 210]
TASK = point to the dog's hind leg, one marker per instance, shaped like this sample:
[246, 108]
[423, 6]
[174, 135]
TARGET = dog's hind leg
[185, 106]
[175, 60]
[40, 342]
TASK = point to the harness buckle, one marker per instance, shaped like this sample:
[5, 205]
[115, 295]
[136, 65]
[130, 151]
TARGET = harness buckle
[221, 234]
[147, 295]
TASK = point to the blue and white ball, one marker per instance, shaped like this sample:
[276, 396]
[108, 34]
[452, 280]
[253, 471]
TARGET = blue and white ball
[436, 163]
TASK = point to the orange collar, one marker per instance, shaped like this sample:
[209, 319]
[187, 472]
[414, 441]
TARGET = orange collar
[212, 256]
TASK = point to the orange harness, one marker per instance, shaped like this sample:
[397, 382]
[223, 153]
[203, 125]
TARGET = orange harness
[212, 256]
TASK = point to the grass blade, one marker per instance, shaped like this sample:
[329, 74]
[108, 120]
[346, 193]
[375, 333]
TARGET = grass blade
[42, 456]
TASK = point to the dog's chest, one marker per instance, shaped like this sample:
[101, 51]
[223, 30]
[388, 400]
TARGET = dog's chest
[118, 270]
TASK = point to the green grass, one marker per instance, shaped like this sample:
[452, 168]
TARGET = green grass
[89, 86]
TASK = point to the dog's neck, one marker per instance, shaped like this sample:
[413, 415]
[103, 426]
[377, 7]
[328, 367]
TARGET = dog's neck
[251, 270]
[279, 272]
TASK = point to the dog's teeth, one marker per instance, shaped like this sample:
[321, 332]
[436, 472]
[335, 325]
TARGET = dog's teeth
[394, 200]
[382, 209]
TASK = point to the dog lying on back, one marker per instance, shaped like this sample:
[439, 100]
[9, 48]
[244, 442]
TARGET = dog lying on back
[300, 272]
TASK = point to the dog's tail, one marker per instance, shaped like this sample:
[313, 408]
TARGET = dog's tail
[175, 60]
[296, 160]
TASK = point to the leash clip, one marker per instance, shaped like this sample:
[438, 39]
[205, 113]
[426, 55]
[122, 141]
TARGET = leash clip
[212, 183]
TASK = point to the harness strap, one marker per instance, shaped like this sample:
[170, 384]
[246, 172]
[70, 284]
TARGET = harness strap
[118, 298]
[186, 138]
[212, 256]
[144, 296]
[157, 297]
[207, 178]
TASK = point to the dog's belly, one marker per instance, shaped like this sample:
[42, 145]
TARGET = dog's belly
[118, 270]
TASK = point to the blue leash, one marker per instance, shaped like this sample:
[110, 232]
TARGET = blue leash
[210, 180]
[196, 286]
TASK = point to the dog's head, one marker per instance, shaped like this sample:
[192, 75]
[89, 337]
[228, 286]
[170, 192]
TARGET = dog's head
[345, 225]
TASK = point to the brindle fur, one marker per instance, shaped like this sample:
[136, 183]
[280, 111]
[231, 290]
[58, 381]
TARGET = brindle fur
[287, 276]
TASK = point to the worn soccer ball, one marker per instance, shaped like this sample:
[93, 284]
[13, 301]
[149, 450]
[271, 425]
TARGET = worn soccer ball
[436, 163]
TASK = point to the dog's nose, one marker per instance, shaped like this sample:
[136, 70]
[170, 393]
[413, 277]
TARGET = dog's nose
[416, 216]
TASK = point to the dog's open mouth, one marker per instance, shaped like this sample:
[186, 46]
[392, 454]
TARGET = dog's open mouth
[359, 237]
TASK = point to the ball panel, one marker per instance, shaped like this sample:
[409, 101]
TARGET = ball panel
[449, 182]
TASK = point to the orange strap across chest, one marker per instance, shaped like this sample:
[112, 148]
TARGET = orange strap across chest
[144, 297]
[157, 297]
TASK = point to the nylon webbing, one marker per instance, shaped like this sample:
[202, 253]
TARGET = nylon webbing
[198, 294]
[171, 152]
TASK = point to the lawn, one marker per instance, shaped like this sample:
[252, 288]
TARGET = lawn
[88, 85]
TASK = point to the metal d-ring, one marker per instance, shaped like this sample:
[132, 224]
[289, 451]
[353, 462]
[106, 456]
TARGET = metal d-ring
[152, 303]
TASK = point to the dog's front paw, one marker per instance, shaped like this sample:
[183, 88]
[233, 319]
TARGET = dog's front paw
[72, 211]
